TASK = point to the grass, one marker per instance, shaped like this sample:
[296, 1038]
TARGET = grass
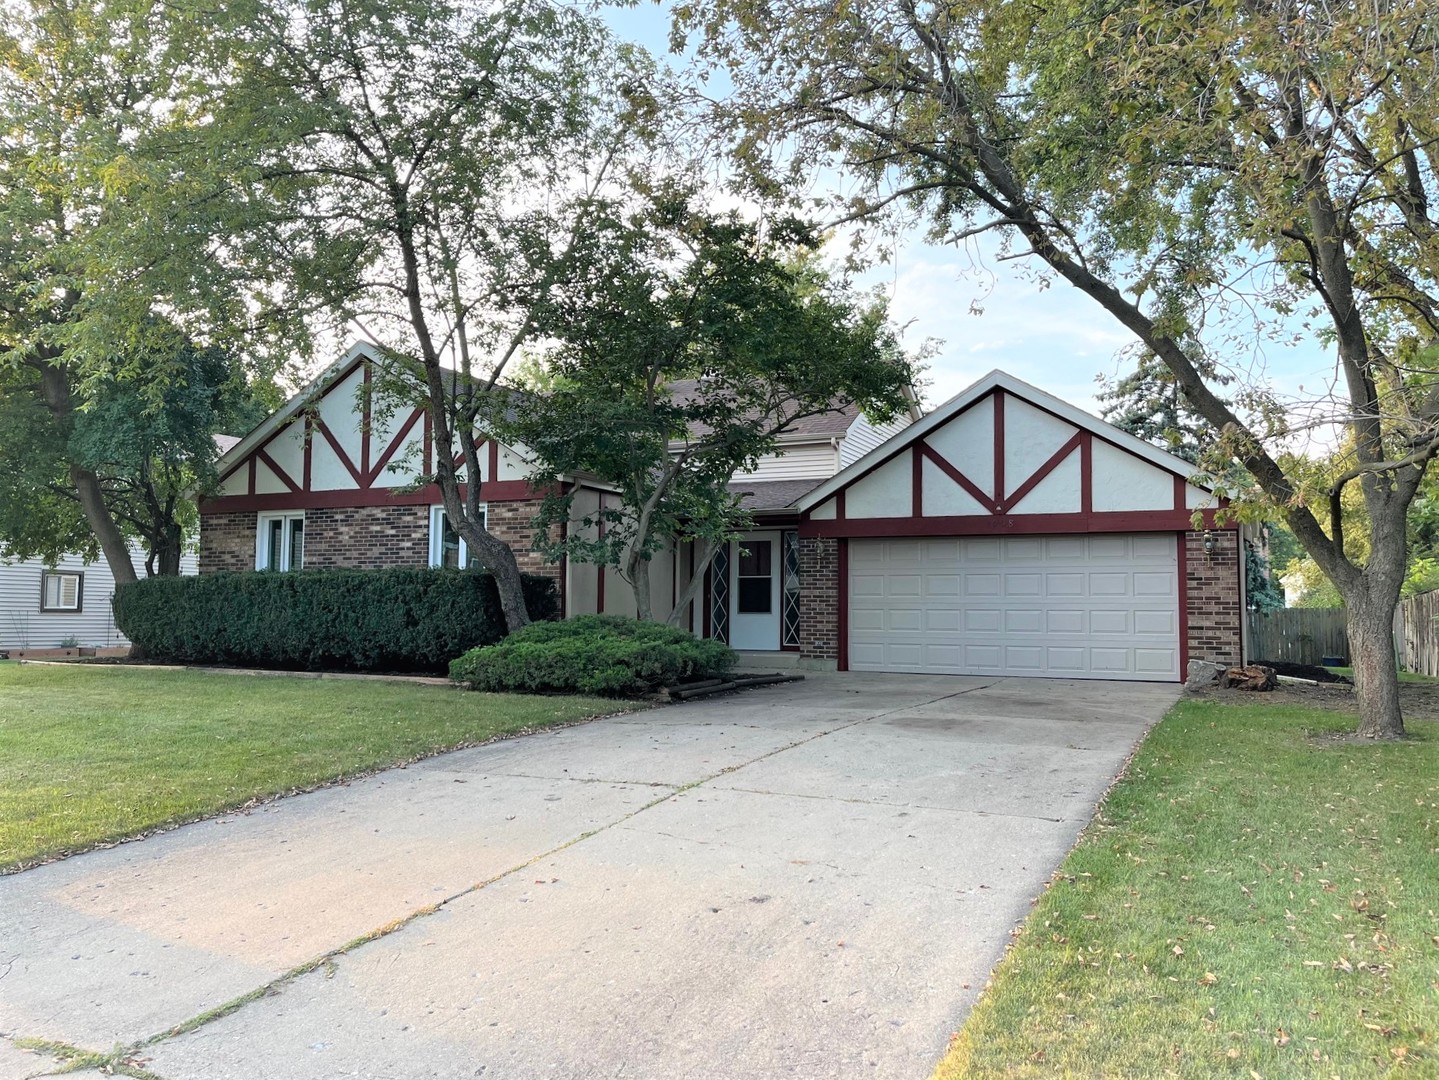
[89, 756]
[1251, 902]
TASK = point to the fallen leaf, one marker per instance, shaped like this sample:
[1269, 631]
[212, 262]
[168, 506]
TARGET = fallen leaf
[1178, 951]
[1209, 979]
[1281, 1037]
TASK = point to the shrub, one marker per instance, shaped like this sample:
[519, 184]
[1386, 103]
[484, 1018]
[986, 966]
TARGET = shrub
[407, 619]
[593, 654]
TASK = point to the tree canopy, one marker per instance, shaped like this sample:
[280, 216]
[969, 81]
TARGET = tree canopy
[695, 341]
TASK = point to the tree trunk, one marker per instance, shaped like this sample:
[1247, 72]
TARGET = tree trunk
[168, 552]
[497, 558]
[696, 583]
[637, 573]
[97, 515]
[1376, 675]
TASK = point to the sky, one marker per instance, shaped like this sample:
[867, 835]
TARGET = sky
[989, 314]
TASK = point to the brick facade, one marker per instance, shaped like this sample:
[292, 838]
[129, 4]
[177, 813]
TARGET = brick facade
[364, 537]
[227, 541]
[367, 537]
[819, 615]
[513, 522]
[1212, 591]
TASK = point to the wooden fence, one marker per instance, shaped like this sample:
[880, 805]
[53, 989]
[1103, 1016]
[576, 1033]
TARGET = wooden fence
[1415, 634]
[1298, 635]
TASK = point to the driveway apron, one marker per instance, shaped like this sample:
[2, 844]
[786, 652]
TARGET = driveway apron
[811, 880]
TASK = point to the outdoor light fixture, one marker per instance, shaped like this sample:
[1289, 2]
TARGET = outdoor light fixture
[1209, 542]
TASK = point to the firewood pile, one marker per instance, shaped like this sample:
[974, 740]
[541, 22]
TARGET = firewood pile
[1253, 677]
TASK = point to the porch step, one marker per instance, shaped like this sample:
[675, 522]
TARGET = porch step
[766, 661]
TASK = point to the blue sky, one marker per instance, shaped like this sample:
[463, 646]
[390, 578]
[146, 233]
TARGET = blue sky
[1055, 338]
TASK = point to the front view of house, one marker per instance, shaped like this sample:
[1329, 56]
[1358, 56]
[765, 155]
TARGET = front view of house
[1005, 533]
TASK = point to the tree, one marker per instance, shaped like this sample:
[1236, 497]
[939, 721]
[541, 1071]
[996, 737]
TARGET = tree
[693, 344]
[1147, 403]
[1182, 164]
[111, 227]
[422, 158]
[148, 439]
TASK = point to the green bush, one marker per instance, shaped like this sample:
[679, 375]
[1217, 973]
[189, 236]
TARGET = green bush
[593, 654]
[407, 619]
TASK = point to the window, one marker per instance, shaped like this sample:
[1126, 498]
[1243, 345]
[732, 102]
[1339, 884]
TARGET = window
[754, 578]
[61, 590]
[447, 547]
[280, 544]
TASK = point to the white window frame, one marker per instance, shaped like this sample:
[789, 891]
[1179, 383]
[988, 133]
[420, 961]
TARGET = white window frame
[437, 536]
[262, 541]
[46, 576]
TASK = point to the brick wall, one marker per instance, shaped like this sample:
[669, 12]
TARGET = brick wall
[364, 537]
[512, 523]
[227, 541]
[819, 598]
[1212, 584]
[367, 537]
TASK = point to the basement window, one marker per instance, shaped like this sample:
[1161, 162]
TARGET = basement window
[61, 590]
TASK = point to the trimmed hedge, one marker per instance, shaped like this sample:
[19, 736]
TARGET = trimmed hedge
[593, 654]
[407, 619]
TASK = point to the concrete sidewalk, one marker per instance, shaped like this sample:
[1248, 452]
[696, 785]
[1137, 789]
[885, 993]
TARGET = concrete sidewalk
[810, 880]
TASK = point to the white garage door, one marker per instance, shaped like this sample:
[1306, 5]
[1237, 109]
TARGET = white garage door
[1074, 607]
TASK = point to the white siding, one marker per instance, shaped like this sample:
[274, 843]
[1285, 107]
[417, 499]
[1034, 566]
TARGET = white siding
[807, 461]
[862, 437]
[24, 625]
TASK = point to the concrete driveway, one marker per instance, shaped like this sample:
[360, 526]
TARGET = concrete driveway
[810, 880]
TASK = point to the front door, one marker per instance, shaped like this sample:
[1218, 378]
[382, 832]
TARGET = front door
[754, 592]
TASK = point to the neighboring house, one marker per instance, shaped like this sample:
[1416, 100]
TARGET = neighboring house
[1006, 533]
[43, 607]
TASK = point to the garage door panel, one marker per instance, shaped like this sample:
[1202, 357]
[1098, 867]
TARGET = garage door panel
[1023, 621]
[1071, 607]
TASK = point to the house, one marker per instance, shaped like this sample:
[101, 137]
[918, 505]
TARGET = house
[1006, 533]
[44, 606]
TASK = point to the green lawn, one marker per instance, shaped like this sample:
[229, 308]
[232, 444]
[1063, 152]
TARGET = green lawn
[1251, 902]
[90, 755]
[1404, 676]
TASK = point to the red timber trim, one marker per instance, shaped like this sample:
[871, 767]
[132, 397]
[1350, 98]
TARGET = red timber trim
[395, 444]
[999, 501]
[329, 435]
[509, 491]
[253, 462]
[366, 419]
[429, 442]
[1055, 460]
[842, 662]
[985, 499]
[599, 567]
[309, 447]
[945, 466]
[1018, 525]
[916, 461]
[280, 474]
[1182, 548]
[674, 577]
[839, 505]
[1086, 473]
[1179, 485]
[689, 576]
[494, 460]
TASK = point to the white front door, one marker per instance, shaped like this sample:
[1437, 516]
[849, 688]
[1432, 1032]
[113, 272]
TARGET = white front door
[754, 592]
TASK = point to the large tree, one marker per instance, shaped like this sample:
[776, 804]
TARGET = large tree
[424, 159]
[1166, 159]
[692, 345]
[112, 225]
[147, 436]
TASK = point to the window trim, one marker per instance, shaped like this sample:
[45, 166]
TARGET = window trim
[262, 541]
[78, 575]
[437, 515]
